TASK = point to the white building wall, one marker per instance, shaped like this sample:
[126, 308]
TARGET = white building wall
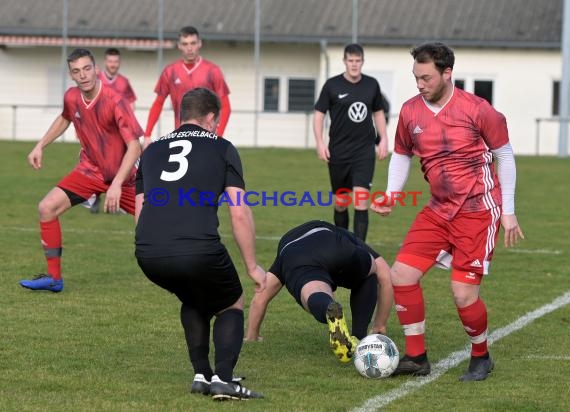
[522, 86]
[522, 82]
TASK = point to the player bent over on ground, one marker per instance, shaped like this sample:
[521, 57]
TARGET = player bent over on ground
[312, 260]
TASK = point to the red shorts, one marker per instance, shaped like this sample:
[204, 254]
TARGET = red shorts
[84, 186]
[469, 239]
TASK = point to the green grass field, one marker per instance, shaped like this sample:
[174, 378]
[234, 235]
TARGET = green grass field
[111, 341]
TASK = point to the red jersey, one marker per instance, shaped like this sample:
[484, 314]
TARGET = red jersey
[104, 126]
[120, 84]
[454, 150]
[176, 79]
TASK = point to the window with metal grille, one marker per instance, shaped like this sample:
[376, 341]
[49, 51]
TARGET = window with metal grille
[555, 98]
[484, 89]
[271, 94]
[301, 95]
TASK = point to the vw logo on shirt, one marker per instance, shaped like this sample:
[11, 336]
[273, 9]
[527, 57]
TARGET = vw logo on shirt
[357, 112]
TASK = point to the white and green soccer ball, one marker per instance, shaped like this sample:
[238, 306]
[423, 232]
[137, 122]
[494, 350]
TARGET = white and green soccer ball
[376, 356]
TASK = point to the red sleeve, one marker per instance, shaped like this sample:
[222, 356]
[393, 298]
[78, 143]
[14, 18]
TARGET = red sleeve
[403, 143]
[493, 126]
[129, 127]
[130, 93]
[67, 112]
[154, 113]
[225, 111]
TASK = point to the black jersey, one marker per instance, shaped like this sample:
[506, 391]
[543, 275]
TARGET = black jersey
[351, 107]
[319, 244]
[183, 177]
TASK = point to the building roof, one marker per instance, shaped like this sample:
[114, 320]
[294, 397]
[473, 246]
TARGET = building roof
[477, 23]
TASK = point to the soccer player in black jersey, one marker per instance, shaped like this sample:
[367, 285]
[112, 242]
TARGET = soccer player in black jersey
[181, 179]
[312, 260]
[356, 109]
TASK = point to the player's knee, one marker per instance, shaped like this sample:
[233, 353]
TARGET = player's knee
[464, 297]
[46, 209]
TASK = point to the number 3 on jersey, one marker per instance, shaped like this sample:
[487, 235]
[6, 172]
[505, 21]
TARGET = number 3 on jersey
[179, 158]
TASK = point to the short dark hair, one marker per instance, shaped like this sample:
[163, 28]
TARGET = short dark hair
[353, 48]
[79, 53]
[112, 51]
[438, 53]
[198, 103]
[188, 31]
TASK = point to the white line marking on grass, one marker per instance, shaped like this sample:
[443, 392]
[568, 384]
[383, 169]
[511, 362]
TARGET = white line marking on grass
[536, 251]
[549, 357]
[456, 358]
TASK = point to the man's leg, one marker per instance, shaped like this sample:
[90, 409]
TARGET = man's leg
[361, 197]
[410, 308]
[50, 208]
[340, 217]
[363, 300]
[473, 314]
[197, 333]
[339, 174]
[317, 298]
[228, 340]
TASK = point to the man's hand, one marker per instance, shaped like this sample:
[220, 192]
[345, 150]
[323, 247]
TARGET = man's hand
[35, 157]
[513, 232]
[113, 199]
[382, 149]
[378, 206]
[323, 153]
[259, 276]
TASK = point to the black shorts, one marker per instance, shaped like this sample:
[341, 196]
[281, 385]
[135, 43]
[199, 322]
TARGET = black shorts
[208, 283]
[348, 175]
[337, 258]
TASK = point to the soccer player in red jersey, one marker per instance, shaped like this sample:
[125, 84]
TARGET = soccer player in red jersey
[108, 133]
[456, 135]
[111, 77]
[190, 72]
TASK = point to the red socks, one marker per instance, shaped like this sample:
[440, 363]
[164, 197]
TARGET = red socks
[474, 320]
[409, 301]
[51, 241]
[410, 308]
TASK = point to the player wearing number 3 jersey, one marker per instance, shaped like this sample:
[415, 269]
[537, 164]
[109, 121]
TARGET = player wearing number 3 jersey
[178, 246]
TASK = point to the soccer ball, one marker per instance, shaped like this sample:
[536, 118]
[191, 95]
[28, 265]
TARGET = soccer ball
[376, 356]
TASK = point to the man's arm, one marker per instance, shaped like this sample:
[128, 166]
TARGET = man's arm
[258, 307]
[243, 229]
[380, 123]
[59, 125]
[153, 116]
[507, 178]
[322, 149]
[113, 195]
[385, 297]
[225, 111]
[398, 172]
